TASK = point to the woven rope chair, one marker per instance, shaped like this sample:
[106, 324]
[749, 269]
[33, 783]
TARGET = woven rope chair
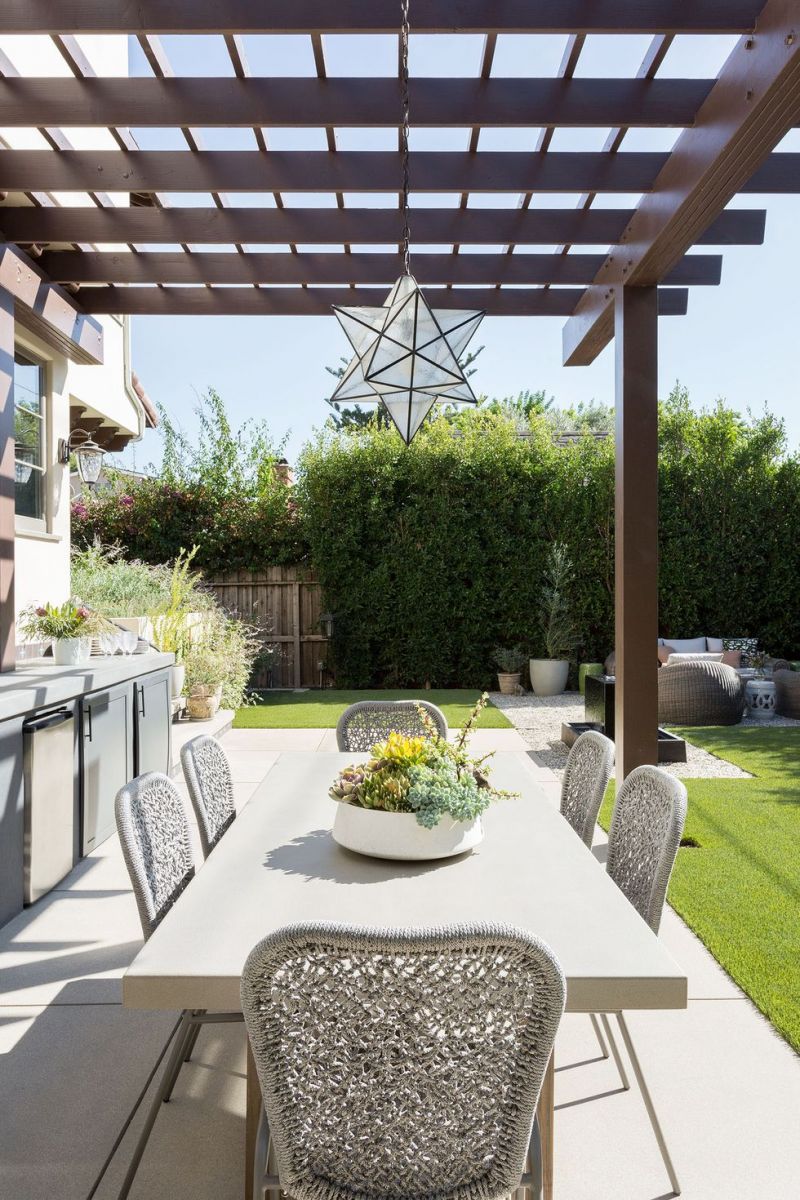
[700, 693]
[646, 830]
[369, 721]
[588, 770]
[787, 692]
[440, 1040]
[153, 827]
[208, 778]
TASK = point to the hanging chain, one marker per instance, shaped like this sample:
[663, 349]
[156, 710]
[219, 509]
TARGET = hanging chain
[405, 30]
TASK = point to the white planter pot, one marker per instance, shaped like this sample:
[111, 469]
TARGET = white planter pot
[548, 676]
[69, 652]
[177, 679]
[399, 836]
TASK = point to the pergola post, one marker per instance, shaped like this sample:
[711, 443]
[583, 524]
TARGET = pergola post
[636, 542]
[7, 626]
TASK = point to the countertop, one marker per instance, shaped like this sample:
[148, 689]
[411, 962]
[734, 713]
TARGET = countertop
[39, 683]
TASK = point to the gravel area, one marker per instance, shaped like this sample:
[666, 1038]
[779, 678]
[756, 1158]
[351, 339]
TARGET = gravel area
[539, 720]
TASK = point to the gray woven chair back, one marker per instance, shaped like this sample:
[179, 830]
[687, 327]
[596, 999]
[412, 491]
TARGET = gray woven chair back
[153, 829]
[362, 725]
[589, 767]
[646, 828]
[401, 1064]
[208, 777]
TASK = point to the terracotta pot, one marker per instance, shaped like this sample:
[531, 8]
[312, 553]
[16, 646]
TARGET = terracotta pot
[203, 702]
[509, 683]
[399, 836]
[548, 676]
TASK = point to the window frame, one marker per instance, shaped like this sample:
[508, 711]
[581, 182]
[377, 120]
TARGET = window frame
[22, 523]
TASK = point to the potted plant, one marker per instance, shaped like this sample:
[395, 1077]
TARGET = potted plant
[206, 668]
[510, 662]
[549, 675]
[69, 626]
[416, 797]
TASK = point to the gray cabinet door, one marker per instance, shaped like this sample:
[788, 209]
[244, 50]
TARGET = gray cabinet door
[106, 759]
[153, 704]
[12, 819]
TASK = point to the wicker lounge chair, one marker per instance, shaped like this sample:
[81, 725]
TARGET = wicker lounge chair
[699, 693]
[440, 1039]
[787, 693]
[369, 721]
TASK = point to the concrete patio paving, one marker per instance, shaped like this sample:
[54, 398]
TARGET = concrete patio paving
[72, 1061]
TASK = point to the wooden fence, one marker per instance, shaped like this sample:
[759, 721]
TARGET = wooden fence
[286, 602]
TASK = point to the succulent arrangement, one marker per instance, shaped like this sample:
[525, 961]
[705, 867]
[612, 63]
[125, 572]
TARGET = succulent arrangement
[424, 775]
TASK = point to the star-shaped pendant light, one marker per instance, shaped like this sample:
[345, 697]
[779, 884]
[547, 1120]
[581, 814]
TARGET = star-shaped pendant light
[406, 353]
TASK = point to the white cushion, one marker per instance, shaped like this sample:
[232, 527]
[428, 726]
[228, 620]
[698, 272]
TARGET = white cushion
[687, 645]
[714, 645]
[674, 659]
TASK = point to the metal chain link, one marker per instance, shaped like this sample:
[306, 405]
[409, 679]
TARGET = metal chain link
[405, 30]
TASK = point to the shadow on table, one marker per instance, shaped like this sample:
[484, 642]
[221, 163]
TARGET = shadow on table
[316, 855]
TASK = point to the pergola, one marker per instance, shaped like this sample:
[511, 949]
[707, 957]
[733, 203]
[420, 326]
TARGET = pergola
[56, 278]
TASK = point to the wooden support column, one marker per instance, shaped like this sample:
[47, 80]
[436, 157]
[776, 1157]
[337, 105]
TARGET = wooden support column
[636, 543]
[7, 630]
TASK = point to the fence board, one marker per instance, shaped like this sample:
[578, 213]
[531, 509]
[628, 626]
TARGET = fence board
[286, 603]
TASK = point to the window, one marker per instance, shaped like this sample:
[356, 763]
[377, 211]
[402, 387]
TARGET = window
[30, 433]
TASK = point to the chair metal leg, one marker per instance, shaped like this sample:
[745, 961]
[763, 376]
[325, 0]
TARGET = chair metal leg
[648, 1103]
[615, 1052]
[175, 1060]
[601, 1041]
[190, 1042]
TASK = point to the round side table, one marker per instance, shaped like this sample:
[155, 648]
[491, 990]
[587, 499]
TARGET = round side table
[760, 697]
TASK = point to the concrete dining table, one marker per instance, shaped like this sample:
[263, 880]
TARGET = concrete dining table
[278, 864]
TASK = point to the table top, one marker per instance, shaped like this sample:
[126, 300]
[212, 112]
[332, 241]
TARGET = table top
[278, 864]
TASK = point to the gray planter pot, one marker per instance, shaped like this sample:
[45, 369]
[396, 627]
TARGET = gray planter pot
[549, 676]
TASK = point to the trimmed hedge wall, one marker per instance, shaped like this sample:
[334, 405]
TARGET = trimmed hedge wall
[431, 556]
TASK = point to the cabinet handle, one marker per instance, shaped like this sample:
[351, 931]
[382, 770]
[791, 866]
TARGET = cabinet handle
[87, 712]
[141, 698]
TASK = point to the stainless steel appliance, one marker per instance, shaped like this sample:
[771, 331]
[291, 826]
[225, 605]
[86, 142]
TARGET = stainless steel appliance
[49, 774]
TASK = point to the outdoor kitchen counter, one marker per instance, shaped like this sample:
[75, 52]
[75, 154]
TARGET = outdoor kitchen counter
[39, 683]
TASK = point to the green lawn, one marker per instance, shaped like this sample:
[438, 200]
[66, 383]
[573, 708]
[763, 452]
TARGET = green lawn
[322, 709]
[739, 890]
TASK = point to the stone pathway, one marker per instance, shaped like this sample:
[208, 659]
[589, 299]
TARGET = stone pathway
[539, 720]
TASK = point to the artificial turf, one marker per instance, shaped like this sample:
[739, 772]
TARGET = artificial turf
[739, 888]
[322, 709]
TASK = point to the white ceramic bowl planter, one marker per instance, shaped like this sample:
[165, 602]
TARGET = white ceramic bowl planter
[380, 834]
[69, 652]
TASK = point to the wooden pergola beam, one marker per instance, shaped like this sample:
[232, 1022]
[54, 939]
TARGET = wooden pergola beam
[353, 171]
[46, 309]
[300, 301]
[284, 102]
[753, 104]
[360, 226]
[222, 268]
[376, 16]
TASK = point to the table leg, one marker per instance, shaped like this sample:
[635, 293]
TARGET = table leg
[546, 1121]
[252, 1114]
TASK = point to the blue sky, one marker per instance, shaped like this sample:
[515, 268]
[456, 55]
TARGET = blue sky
[737, 340]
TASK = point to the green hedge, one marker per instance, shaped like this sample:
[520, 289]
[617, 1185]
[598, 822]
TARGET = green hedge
[431, 556]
